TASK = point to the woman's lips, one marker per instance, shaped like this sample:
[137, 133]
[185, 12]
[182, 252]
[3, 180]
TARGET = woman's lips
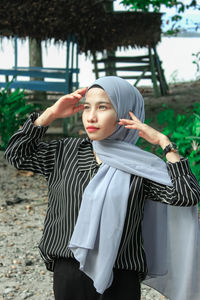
[92, 129]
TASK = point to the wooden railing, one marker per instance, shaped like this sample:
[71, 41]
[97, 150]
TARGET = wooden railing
[133, 67]
[64, 80]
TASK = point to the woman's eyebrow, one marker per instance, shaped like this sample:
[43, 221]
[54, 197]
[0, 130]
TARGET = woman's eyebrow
[99, 102]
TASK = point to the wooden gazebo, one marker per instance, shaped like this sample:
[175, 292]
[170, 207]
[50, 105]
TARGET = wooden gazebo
[93, 27]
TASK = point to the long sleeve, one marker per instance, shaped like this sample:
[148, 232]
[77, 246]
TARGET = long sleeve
[26, 152]
[185, 190]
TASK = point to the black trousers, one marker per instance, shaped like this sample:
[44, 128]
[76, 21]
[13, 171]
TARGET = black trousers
[72, 284]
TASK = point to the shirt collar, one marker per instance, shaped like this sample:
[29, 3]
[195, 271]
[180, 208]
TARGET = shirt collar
[86, 158]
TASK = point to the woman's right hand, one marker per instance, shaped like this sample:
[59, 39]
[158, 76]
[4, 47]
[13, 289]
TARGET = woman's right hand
[67, 104]
[64, 107]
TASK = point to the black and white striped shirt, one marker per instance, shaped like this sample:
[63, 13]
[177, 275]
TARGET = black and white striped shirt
[68, 165]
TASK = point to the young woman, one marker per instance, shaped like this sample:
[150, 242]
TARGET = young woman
[106, 196]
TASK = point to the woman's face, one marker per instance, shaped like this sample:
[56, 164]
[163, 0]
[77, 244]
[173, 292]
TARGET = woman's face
[99, 116]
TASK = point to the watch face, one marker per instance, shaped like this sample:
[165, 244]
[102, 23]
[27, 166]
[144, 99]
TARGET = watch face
[174, 146]
[171, 147]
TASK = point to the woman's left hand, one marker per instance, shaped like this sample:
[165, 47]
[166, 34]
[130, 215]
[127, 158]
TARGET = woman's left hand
[145, 131]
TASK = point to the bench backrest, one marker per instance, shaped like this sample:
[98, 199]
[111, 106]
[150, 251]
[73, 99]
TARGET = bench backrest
[66, 85]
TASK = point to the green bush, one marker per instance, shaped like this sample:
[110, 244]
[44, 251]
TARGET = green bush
[13, 112]
[184, 130]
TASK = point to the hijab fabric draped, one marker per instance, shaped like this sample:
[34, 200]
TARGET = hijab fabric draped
[171, 234]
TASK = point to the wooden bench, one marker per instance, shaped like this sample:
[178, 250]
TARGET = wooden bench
[66, 79]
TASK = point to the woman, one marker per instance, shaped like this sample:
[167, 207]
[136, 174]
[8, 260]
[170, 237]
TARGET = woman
[97, 191]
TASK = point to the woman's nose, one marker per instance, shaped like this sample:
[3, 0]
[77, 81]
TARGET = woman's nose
[92, 117]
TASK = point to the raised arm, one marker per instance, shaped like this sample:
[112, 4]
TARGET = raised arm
[185, 190]
[63, 108]
[25, 149]
[151, 135]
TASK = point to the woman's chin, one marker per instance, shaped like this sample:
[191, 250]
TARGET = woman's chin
[94, 137]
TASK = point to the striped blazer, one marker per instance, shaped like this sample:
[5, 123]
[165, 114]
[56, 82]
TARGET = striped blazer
[68, 165]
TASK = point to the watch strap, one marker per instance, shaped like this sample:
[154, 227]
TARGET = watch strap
[169, 148]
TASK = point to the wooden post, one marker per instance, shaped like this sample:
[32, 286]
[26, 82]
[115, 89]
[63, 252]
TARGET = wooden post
[35, 54]
[163, 84]
[67, 52]
[153, 74]
[71, 60]
[16, 51]
[65, 123]
[77, 63]
[109, 65]
[95, 65]
[140, 77]
[35, 60]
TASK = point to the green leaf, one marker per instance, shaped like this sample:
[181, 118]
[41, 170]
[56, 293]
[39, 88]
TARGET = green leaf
[13, 112]
[165, 116]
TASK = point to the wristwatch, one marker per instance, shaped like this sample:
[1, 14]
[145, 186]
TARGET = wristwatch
[171, 147]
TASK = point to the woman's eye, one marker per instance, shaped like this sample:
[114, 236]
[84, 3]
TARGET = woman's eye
[86, 107]
[102, 107]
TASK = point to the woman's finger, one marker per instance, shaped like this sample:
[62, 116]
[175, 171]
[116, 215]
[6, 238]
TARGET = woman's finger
[78, 108]
[134, 118]
[131, 127]
[81, 91]
[71, 99]
[125, 122]
[77, 95]
[128, 122]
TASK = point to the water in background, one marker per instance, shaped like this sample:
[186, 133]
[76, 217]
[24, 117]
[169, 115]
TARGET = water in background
[174, 52]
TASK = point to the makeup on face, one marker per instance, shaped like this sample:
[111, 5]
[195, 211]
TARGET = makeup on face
[99, 116]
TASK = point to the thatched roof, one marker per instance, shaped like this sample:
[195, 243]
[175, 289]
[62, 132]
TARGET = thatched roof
[94, 28]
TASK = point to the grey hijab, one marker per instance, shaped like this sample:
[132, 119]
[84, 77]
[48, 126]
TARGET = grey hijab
[97, 234]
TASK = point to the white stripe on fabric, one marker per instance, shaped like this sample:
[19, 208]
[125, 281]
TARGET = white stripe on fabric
[66, 165]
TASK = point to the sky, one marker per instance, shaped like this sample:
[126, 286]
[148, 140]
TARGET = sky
[190, 18]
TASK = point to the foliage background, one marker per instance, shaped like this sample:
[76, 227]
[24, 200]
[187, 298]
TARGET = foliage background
[14, 110]
[184, 130]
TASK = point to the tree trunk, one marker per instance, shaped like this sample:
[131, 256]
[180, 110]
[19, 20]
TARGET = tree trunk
[35, 53]
[35, 60]
[110, 66]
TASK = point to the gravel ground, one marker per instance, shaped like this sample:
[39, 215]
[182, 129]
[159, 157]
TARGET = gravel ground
[23, 202]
